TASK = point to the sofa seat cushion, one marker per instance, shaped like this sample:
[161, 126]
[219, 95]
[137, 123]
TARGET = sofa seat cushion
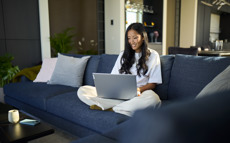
[35, 94]
[69, 107]
[190, 74]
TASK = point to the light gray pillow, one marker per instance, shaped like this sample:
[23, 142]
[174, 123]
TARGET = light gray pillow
[69, 71]
[220, 84]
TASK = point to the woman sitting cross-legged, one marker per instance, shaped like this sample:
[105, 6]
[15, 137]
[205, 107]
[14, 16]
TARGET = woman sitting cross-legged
[137, 59]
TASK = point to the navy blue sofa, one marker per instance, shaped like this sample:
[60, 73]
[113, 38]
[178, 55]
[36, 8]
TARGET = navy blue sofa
[184, 76]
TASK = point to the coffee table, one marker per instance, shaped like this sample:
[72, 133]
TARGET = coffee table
[18, 132]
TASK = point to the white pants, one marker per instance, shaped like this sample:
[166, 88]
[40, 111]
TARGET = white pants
[88, 95]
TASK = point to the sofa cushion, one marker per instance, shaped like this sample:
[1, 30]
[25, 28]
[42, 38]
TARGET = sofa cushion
[69, 107]
[205, 120]
[46, 71]
[106, 63]
[190, 74]
[221, 83]
[69, 71]
[35, 94]
[91, 67]
[166, 67]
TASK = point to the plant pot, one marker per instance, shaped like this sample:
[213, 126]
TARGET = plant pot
[2, 95]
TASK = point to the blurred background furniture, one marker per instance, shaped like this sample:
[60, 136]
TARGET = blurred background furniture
[185, 51]
[214, 53]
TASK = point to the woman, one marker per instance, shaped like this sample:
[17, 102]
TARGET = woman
[136, 59]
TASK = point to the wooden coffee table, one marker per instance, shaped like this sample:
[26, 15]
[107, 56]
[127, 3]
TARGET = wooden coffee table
[17, 132]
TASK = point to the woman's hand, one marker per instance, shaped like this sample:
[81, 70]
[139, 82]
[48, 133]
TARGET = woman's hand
[138, 92]
[148, 86]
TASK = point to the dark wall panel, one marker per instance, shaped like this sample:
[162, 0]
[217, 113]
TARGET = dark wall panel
[21, 19]
[2, 33]
[101, 26]
[2, 47]
[25, 52]
[20, 29]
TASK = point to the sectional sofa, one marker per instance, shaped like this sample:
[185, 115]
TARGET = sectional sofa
[184, 77]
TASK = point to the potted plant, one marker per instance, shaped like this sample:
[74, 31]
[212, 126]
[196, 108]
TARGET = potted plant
[62, 42]
[7, 72]
[91, 47]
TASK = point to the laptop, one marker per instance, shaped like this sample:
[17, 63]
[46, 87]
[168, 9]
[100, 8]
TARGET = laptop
[115, 86]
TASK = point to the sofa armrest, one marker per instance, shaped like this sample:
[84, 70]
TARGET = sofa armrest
[25, 79]
[205, 120]
[27, 74]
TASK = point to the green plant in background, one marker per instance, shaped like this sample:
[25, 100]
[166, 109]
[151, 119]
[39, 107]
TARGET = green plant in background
[91, 47]
[62, 42]
[7, 70]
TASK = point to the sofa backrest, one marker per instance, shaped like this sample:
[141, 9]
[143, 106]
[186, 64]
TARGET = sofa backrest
[97, 64]
[106, 63]
[166, 67]
[91, 68]
[183, 76]
[190, 74]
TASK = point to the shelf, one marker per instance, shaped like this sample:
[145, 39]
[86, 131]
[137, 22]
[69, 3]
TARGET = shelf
[148, 12]
[150, 26]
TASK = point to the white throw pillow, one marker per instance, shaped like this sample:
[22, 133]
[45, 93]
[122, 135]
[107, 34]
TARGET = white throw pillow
[220, 84]
[69, 71]
[46, 70]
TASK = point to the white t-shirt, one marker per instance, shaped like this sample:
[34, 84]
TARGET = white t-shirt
[153, 74]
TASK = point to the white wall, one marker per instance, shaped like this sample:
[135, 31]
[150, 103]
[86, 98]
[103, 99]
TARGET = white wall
[164, 30]
[114, 34]
[168, 25]
[188, 23]
[44, 28]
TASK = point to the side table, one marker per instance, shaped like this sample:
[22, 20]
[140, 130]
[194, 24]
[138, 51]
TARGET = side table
[13, 133]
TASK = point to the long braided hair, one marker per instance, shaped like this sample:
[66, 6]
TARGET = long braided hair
[128, 57]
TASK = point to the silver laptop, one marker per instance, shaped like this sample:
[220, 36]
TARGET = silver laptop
[115, 86]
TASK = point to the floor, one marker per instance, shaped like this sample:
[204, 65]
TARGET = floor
[59, 136]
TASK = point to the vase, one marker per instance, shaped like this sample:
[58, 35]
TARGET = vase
[151, 37]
